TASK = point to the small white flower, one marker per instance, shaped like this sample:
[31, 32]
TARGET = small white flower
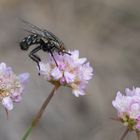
[11, 86]
[128, 107]
[71, 71]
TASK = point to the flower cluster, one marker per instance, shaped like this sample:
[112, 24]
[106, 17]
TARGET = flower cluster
[71, 71]
[11, 86]
[128, 107]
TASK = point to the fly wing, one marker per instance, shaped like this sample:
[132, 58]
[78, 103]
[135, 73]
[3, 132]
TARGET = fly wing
[34, 29]
[41, 32]
[52, 36]
[32, 26]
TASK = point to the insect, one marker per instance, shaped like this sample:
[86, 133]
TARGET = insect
[43, 40]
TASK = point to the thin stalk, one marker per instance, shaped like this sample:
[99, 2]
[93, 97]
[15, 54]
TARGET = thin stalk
[124, 134]
[138, 134]
[40, 113]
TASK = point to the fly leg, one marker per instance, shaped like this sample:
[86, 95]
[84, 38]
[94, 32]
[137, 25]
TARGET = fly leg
[60, 51]
[34, 57]
[53, 57]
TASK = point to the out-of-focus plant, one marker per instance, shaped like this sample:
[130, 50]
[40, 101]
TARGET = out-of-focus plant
[11, 86]
[128, 108]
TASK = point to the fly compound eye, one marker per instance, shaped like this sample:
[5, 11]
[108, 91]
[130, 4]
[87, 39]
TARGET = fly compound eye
[62, 48]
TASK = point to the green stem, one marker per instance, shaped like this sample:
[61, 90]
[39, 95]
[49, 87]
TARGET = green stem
[40, 113]
[28, 131]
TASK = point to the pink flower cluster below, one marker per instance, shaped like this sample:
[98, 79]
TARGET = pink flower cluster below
[128, 107]
[11, 86]
[71, 71]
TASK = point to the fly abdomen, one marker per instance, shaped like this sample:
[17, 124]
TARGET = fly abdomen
[29, 40]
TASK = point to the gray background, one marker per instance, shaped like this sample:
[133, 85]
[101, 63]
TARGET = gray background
[107, 32]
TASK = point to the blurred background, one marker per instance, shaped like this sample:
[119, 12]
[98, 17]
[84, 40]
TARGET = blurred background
[107, 32]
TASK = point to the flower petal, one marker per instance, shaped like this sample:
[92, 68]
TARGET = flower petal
[7, 103]
[24, 77]
[56, 73]
[78, 92]
[69, 77]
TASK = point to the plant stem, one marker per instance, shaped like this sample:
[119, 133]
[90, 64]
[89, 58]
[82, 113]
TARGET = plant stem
[124, 134]
[40, 112]
[138, 134]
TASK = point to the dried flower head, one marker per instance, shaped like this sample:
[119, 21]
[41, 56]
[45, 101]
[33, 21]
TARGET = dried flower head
[72, 71]
[11, 86]
[128, 107]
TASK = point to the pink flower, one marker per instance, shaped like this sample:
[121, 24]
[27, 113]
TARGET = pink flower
[72, 71]
[128, 107]
[11, 86]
